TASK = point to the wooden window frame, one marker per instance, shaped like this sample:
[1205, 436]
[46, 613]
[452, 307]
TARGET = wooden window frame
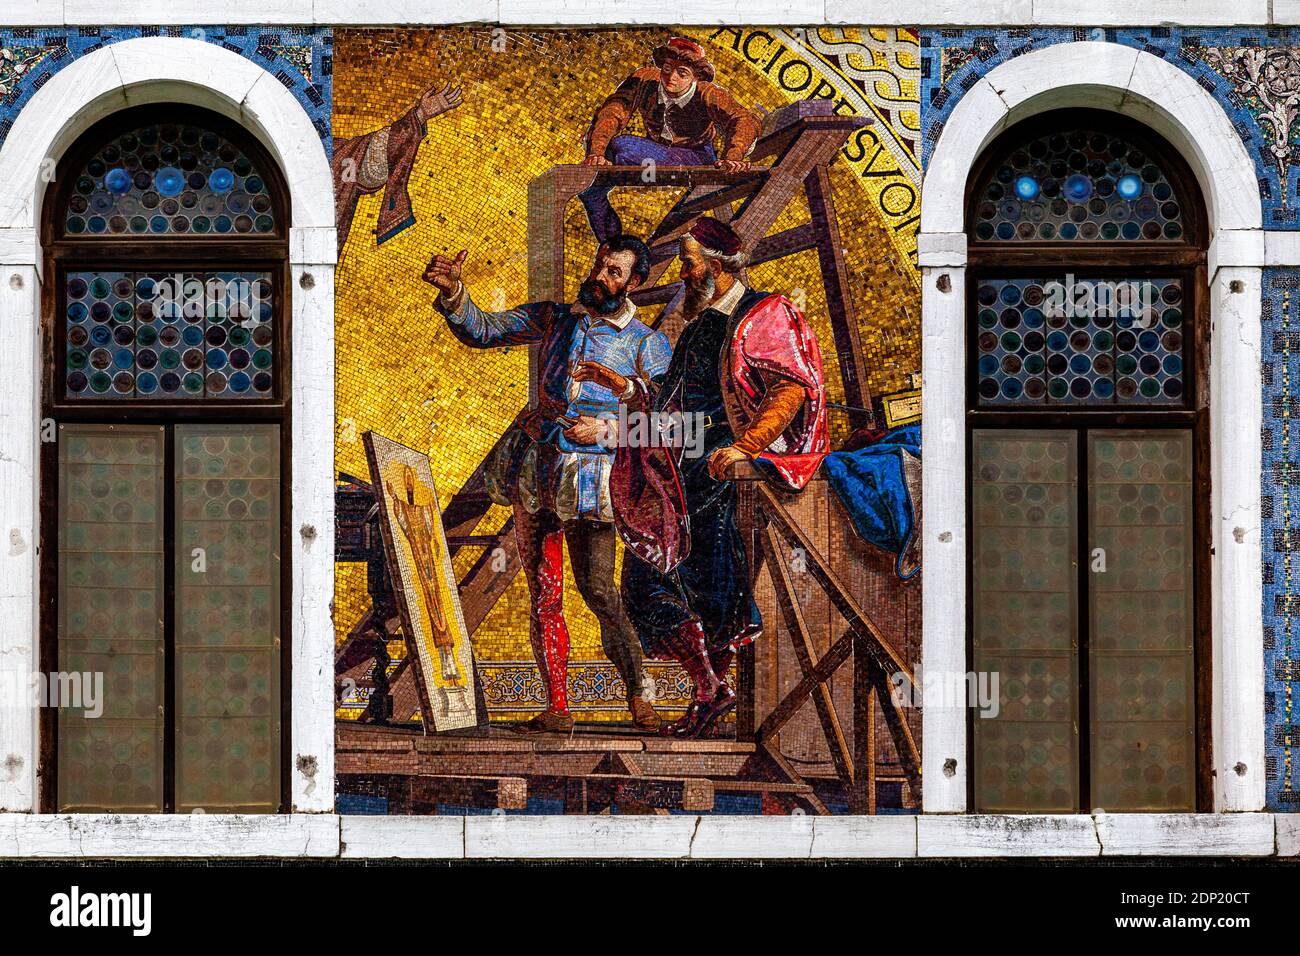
[263, 252]
[1129, 259]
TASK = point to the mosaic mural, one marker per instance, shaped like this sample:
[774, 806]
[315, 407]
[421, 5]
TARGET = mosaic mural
[532, 225]
[1281, 374]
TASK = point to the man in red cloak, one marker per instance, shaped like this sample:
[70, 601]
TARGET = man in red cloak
[748, 370]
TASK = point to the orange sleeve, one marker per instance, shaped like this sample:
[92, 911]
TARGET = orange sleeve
[740, 128]
[780, 405]
[614, 114]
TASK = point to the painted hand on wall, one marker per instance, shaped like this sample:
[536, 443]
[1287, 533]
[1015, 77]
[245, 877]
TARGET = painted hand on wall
[383, 160]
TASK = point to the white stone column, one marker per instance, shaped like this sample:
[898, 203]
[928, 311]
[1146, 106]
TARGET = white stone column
[20, 297]
[1237, 628]
[312, 254]
[944, 763]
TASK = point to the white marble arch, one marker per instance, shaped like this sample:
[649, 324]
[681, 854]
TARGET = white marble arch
[130, 73]
[1146, 88]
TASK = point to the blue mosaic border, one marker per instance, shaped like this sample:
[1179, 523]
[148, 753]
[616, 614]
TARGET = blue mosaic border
[301, 58]
[1280, 533]
[952, 61]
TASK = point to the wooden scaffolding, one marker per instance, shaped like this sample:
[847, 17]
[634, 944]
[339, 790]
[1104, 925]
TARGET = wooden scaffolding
[592, 770]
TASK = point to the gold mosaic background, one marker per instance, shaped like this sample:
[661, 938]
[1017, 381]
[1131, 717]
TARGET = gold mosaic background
[527, 104]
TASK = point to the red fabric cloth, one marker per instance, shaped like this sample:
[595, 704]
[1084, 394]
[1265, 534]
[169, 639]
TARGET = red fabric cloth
[774, 336]
[648, 502]
[645, 488]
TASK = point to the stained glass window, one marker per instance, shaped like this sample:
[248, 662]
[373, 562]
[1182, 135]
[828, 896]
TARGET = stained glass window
[169, 179]
[1081, 185]
[228, 617]
[1141, 611]
[1025, 601]
[169, 255]
[1084, 552]
[110, 617]
[169, 335]
[1067, 340]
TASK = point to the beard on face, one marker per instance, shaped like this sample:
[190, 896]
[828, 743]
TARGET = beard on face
[594, 295]
[699, 293]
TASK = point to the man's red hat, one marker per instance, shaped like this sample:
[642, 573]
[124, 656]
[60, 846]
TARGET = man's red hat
[689, 52]
[716, 235]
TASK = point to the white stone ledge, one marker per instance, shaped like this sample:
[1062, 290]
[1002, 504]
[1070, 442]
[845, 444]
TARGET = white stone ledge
[145, 835]
[331, 836]
[889, 835]
[20, 247]
[1287, 838]
[561, 837]
[313, 245]
[1232, 248]
[1246, 248]
[927, 13]
[990, 835]
[1281, 248]
[941, 249]
[411, 838]
[1186, 834]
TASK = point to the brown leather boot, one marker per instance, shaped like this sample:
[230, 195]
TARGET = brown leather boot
[547, 722]
[644, 717]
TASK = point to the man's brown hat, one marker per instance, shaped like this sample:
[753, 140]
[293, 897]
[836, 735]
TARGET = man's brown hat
[689, 52]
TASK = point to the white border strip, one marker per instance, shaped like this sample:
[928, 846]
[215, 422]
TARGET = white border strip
[499, 836]
[929, 13]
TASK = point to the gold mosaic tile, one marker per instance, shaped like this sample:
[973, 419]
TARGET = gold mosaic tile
[528, 98]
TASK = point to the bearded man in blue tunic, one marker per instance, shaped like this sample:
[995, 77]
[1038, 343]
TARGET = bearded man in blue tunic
[553, 466]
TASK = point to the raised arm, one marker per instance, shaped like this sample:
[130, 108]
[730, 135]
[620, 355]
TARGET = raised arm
[740, 127]
[522, 325]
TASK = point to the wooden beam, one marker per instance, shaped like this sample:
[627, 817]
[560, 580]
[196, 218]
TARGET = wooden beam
[483, 584]
[773, 753]
[791, 702]
[862, 797]
[787, 242]
[878, 646]
[694, 794]
[804, 649]
[691, 206]
[839, 302]
[427, 791]
[908, 753]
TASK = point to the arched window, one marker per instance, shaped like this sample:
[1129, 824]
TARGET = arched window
[164, 466]
[1088, 455]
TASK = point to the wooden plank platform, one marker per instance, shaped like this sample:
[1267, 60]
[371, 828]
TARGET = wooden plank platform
[587, 771]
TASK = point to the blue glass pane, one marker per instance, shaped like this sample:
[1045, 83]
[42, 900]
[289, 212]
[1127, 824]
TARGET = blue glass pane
[170, 336]
[168, 179]
[1080, 186]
